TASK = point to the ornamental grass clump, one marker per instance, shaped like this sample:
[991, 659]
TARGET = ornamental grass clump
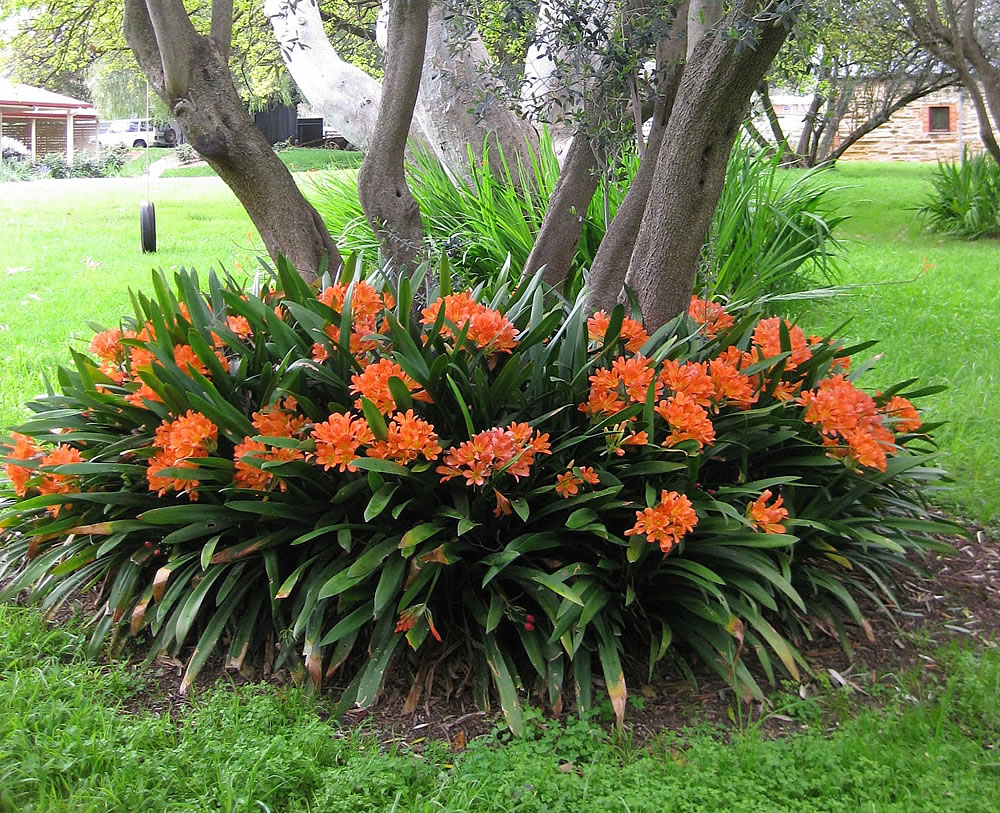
[343, 483]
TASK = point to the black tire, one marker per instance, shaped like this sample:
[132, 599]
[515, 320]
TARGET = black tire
[147, 227]
[170, 137]
[139, 143]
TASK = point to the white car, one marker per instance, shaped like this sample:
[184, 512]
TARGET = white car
[138, 133]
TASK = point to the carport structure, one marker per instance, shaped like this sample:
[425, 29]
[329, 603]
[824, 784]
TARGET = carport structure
[47, 122]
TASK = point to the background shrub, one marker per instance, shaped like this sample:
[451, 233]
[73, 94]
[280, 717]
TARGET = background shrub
[965, 200]
[772, 232]
[542, 496]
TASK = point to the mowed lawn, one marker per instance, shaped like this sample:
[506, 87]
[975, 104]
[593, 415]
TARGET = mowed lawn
[933, 303]
[69, 252]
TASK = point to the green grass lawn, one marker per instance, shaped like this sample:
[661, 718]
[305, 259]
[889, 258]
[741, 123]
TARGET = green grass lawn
[69, 253]
[933, 302]
[68, 744]
[136, 166]
[297, 159]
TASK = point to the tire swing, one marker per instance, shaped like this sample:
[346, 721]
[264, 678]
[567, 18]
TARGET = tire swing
[147, 212]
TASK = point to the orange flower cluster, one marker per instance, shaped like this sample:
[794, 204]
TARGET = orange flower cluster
[632, 332]
[192, 435]
[493, 452]
[367, 306]
[373, 384]
[569, 483]
[240, 325]
[338, 439]
[730, 384]
[278, 421]
[628, 378]
[667, 522]
[53, 483]
[767, 336]
[845, 413]
[24, 448]
[408, 438]
[488, 329]
[687, 420]
[711, 316]
[768, 518]
[903, 414]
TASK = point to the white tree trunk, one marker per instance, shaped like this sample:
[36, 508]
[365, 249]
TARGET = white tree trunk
[346, 96]
[457, 108]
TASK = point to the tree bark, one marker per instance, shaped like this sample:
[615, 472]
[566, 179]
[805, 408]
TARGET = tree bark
[711, 103]
[457, 108]
[607, 274]
[557, 240]
[386, 199]
[346, 96]
[703, 16]
[188, 71]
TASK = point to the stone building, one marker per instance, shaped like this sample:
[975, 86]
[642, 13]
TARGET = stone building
[935, 128]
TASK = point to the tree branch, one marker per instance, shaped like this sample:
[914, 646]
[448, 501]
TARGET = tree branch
[222, 26]
[174, 39]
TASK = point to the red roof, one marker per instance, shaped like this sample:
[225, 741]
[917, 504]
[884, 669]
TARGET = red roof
[26, 96]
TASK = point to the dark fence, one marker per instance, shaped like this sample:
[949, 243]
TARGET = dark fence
[277, 123]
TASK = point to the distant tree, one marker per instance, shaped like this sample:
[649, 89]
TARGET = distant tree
[965, 34]
[861, 64]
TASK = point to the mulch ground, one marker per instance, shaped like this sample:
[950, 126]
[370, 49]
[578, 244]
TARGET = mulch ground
[960, 601]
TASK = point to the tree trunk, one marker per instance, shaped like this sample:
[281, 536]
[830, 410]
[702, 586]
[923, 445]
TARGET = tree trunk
[690, 170]
[772, 120]
[557, 240]
[809, 126]
[607, 274]
[346, 96]
[457, 111]
[703, 16]
[386, 199]
[189, 72]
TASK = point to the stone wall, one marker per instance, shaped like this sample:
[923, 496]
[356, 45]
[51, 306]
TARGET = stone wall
[908, 135]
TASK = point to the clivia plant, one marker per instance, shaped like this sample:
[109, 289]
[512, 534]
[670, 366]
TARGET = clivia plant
[341, 480]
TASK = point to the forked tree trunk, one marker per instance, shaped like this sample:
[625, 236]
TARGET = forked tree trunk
[711, 103]
[385, 197]
[191, 74]
[607, 273]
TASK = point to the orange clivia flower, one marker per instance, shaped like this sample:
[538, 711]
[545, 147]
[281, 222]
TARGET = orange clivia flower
[589, 475]
[767, 336]
[730, 384]
[373, 384]
[408, 438]
[690, 378]
[845, 413]
[320, 353]
[488, 329]
[53, 483]
[667, 522]
[246, 475]
[632, 332]
[192, 435]
[635, 375]
[279, 420]
[240, 325]
[108, 346]
[628, 378]
[687, 420]
[567, 484]
[493, 452]
[711, 316]
[768, 518]
[338, 440]
[864, 447]
[24, 448]
[503, 507]
[903, 414]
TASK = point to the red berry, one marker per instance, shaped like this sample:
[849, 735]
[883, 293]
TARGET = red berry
[529, 618]
[529, 626]
[148, 544]
[156, 552]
